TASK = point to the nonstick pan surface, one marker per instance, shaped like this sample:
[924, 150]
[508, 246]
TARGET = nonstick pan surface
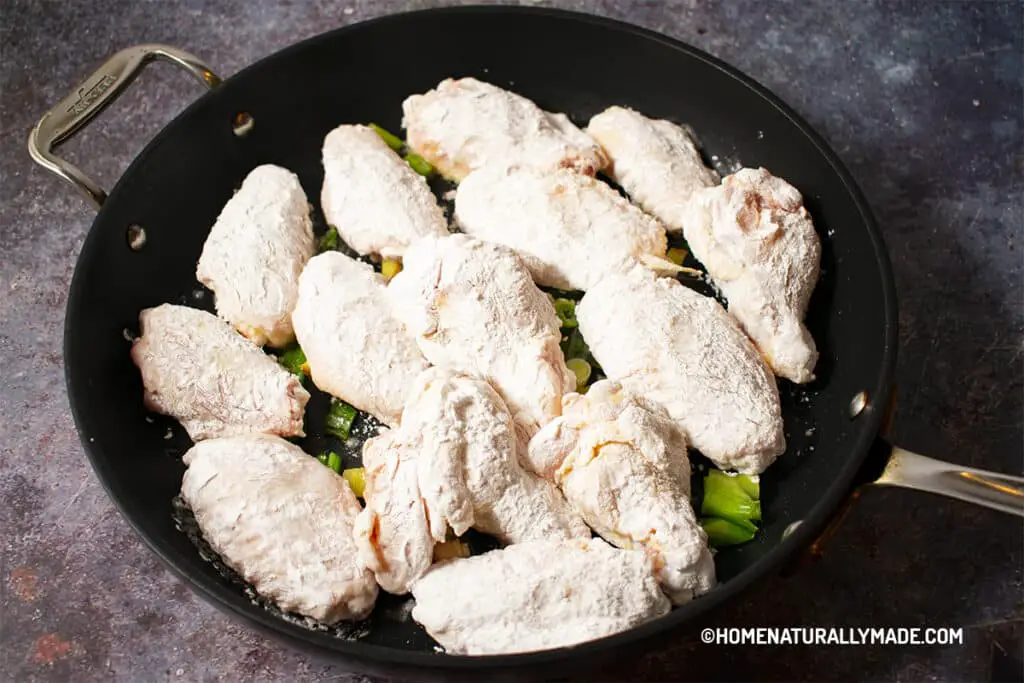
[565, 62]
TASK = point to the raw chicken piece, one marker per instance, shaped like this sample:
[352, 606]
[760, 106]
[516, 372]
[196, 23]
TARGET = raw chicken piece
[355, 349]
[373, 197]
[464, 124]
[621, 461]
[453, 462]
[665, 342]
[536, 596]
[473, 308]
[757, 241]
[201, 372]
[255, 252]
[569, 229]
[654, 160]
[283, 521]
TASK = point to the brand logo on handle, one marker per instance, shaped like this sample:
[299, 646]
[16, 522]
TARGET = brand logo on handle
[87, 97]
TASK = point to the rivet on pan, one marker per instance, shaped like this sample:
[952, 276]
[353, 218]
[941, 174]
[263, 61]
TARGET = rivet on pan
[791, 528]
[858, 403]
[136, 237]
[242, 124]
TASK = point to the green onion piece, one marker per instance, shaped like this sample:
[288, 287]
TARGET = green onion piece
[339, 419]
[566, 310]
[293, 361]
[419, 164]
[392, 140]
[581, 369]
[722, 532]
[356, 480]
[334, 461]
[724, 497]
[323, 458]
[329, 240]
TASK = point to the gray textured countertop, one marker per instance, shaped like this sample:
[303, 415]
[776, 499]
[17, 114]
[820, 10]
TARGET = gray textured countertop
[923, 102]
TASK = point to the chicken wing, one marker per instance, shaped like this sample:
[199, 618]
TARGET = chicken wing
[665, 342]
[373, 197]
[655, 161]
[758, 242]
[473, 307]
[536, 596]
[281, 520]
[255, 252]
[464, 124]
[453, 462]
[621, 461]
[569, 229]
[355, 349]
[200, 371]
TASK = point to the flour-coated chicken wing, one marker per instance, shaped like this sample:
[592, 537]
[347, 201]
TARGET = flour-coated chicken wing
[758, 243]
[196, 368]
[655, 161]
[536, 596]
[281, 520]
[255, 252]
[378, 203]
[355, 349]
[464, 124]
[665, 342]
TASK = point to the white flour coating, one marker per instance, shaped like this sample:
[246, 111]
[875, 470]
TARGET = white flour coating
[621, 461]
[355, 349]
[536, 596]
[654, 160]
[453, 462]
[758, 242]
[255, 252]
[373, 197]
[282, 521]
[668, 343]
[465, 123]
[569, 229]
[473, 308]
[196, 368]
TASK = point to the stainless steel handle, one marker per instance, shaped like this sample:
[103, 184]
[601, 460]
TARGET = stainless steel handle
[1002, 492]
[88, 100]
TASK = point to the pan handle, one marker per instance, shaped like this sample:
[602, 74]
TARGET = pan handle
[92, 97]
[900, 467]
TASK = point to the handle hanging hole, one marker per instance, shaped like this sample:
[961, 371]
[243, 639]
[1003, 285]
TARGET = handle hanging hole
[242, 124]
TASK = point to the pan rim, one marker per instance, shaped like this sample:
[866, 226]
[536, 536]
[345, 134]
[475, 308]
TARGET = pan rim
[802, 536]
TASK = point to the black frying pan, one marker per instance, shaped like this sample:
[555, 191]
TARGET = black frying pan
[565, 62]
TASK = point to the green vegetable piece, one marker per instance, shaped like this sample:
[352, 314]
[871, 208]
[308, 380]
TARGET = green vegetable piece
[329, 240]
[356, 480]
[566, 310]
[722, 532]
[334, 461]
[419, 164]
[724, 497]
[339, 419]
[294, 360]
[392, 140]
[323, 458]
[581, 369]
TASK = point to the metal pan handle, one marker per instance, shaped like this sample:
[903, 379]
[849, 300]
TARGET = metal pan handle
[1002, 492]
[92, 97]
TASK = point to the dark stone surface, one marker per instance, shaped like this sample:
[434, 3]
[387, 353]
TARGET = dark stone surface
[923, 101]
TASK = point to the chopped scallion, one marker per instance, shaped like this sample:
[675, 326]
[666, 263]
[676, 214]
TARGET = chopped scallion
[339, 419]
[356, 480]
[294, 361]
[392, 140]
[566, 310]
[329, 240]
[419, 164]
